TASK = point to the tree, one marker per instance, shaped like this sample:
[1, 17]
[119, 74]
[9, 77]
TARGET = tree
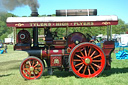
[4, 30]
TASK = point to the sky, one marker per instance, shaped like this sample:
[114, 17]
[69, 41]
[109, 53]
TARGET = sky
[104, 7]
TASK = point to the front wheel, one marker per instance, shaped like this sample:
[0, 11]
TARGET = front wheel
[87, 60]
[31, 68]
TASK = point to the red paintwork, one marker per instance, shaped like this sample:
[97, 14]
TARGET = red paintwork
[108, 46]
[84, 47]
[61, 24]
[23, 37]
[25, 73]
[68, 50]
[52, 52]
[59, 47]
[21, 47]
[70, 47]
[76, 36]
[55, 61]
[59, 44]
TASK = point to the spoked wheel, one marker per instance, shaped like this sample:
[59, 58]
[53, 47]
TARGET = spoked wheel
[31, 68]
[87, 60]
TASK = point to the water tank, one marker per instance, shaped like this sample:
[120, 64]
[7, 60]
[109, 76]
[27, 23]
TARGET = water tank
[77, 12]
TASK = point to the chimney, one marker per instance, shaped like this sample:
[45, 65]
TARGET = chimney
[34, 14]
[35, 31]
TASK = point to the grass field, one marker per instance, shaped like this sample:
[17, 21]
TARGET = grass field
[10, 75]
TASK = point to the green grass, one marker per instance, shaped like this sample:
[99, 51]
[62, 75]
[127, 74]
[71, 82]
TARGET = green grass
[10, 75]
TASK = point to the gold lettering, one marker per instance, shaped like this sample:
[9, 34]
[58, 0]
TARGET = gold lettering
[49, 24]
[106, 23]
[62, 24]
[78, 23]
[41, 24]
[45, 24]
[53, 24]
[38, 24]
[31, 24]
[88, 23]
[65, 24]
[34, 24]
[81, 23]
[56, 61]
[57, 24]
[84, 23]
[75, 24]
[92, 23]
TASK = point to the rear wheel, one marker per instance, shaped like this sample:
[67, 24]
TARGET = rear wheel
[31, 68]
[87, 60]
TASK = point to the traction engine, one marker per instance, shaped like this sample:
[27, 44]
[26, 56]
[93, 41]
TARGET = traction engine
[75, 52]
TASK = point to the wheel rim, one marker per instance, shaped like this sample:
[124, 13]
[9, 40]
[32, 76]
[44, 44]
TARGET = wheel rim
[87, 60]
[31, 68]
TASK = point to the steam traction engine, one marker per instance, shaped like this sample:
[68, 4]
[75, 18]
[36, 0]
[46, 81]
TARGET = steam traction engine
[74, 52]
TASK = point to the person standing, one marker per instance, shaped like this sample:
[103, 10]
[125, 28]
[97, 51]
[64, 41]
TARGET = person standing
[5, 48]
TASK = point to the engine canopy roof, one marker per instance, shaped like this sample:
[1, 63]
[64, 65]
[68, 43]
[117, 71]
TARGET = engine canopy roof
[70, 21]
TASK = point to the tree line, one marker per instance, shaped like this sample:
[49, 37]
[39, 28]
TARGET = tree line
[122, 27]
[4, 30]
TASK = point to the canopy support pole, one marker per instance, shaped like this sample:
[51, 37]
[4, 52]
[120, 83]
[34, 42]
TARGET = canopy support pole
[66, 31]
[110, 32]
[14, 35]
[107, 33]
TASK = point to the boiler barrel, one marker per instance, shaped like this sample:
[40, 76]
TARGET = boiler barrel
[44, 53]
[77, 12]
[36, 53]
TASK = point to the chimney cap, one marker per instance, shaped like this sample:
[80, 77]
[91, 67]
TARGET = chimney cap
[34, 14]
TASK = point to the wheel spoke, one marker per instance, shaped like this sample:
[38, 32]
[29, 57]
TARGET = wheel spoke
[96, 60]
[36, 64]
[93, 68]
[78, 64]
[82, 54]
[89, 71]
[36, 71]
[78, 56]
[84, 69]
[31, 68]
[96, 65]
[29, 63]
[89, 51]
[26, 73]
[93, 53]
[34, 75]
[85, 52]
[25, 68]
[33, 63]
[81, 67]
[29, 74]
[38, 68]
[87, 60]
[76, 60]
[96, 56]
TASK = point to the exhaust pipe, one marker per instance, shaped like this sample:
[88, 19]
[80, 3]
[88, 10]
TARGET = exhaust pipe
[35, 31]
